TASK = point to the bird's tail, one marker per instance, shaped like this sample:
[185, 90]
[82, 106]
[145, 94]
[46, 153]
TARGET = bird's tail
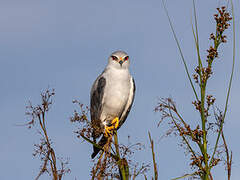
[101, 143]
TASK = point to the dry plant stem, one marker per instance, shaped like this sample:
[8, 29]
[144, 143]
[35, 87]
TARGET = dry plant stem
[184, 176]
[44, 149]
[184, 138]
[136, 173]
[52, 159]
[145, 177]
[96, 145]
[52, 153]
[185, 125]
[153, 155]
[44, 167]
[229, 157]
[98, 166]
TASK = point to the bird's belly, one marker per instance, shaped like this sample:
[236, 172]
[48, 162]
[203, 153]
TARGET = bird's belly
[114, 103]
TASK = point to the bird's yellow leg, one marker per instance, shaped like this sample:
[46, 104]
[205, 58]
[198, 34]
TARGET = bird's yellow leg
[115, 121]
[114, 125]
[107, 131]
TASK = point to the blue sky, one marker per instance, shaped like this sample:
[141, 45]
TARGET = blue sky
[65, 45]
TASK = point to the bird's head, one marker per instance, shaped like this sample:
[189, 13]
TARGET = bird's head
[119, 60]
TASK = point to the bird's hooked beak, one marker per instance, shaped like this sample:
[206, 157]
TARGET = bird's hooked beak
[121, 61]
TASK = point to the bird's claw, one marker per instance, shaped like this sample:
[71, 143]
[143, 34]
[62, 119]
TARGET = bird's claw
[110, 129]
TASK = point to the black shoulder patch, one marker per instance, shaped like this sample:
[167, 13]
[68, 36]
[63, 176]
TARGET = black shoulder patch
[96, 106]
[100, 86]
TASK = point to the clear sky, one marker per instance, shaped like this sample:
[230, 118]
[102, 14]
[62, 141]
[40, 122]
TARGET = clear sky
[65, 45]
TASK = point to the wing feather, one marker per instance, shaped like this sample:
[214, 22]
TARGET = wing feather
[129, 103]
[96, 104]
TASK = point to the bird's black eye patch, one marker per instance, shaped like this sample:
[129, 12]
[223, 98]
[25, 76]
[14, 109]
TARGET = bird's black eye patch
[114, 58]
[126, 58]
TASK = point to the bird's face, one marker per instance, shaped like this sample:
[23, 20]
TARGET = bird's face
[119, 60]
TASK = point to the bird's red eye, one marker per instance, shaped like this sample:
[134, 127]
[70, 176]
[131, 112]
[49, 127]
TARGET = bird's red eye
[114, 58]
[126, 58]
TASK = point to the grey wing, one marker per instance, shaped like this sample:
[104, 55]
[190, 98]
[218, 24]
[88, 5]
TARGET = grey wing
[97, 93]
[128, 106]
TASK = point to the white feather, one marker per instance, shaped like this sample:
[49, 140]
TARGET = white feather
[116, 92]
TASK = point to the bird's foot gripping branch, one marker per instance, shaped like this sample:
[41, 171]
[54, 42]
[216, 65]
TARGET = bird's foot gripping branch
[109, 129]
[115, 160]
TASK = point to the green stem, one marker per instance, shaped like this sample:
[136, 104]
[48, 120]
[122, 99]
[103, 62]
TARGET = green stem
[122, 163]
[180, 50]
[203, 118]
[229, 86]
[196, 38]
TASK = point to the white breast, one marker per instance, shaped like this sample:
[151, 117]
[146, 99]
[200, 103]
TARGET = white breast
[116, 93]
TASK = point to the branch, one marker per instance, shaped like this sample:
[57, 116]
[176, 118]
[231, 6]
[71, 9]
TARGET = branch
[100, 147]
[122, 163]
[229, 158]
[153, 156]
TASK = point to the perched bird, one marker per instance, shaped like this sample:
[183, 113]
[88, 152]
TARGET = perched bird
[112, 95]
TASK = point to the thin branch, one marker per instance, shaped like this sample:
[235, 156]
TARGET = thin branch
[153, 156]
[229, 157]
[121, 162]
[185, 176]
[44, 167]
[99, 147]
[184, 139]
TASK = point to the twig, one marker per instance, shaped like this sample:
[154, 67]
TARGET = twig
[229, 158]
[153, 156]
[100, 147]
[180, 50]
[122, 163]
[44, 167]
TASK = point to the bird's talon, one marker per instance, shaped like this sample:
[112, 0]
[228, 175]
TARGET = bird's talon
[115, 121]
[114, 125]
[108, 131]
